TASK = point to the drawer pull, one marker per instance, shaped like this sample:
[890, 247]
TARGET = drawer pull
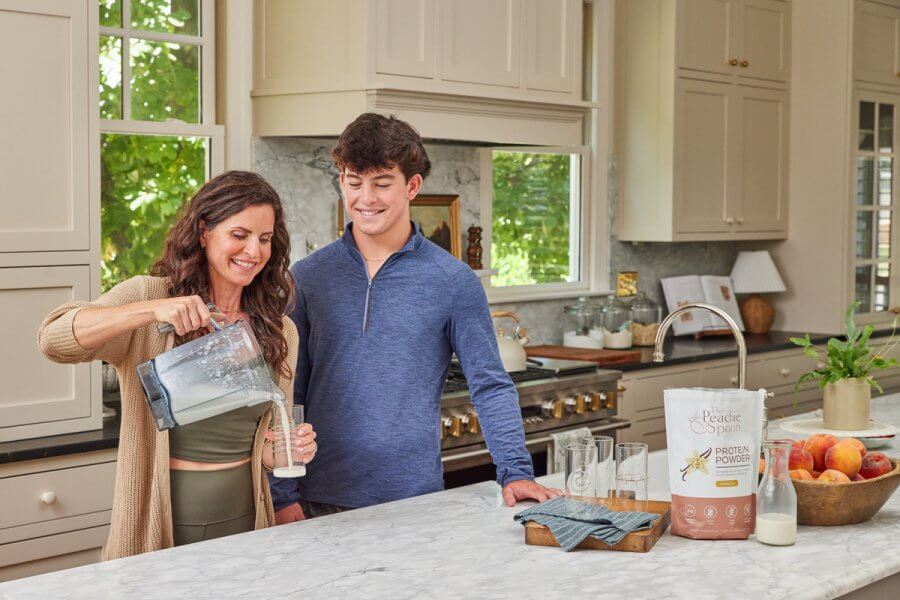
[48, 497]
[785, 372]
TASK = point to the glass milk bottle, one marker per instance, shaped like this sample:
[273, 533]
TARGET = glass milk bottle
[776, 500]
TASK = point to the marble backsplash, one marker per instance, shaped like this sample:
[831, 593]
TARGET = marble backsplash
[301, 171]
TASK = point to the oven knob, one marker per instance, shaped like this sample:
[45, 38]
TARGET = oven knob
[575, 404]
[453, 425]
[599, 400]
[470, 422]
[552, 408]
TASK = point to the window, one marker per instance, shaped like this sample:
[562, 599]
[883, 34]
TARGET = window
[159, 141]
[873, 206]
[537, 237]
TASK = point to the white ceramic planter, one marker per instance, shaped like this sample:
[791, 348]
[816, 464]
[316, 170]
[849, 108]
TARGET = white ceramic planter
[846, 404]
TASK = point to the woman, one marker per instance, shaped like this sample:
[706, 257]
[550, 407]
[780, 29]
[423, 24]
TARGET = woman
[230, 247]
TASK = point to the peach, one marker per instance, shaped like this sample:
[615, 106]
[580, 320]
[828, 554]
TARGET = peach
[843, 457]
[857, 477]
[858, 444]
[801, 474]
[833, 476]
[816, 474]
[875, 464]
[798, 443]
[800, 459]
[818, 445]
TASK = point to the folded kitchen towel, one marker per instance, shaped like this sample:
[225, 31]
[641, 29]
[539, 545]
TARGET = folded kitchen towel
[563, 439]
[571, 521]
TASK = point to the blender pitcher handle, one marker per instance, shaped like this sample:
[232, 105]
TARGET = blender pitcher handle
[168, 327]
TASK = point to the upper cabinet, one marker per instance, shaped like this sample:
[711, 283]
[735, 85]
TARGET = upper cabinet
[747, 39]
[877, 42]
[442, 64]
[44, 116]
[702, 119]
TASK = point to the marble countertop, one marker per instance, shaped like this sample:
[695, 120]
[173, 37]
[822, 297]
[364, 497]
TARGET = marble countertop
[463, 543]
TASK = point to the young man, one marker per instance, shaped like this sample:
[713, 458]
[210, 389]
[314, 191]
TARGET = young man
[380, 312]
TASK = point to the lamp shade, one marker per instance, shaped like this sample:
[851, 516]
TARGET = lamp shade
[755, 273]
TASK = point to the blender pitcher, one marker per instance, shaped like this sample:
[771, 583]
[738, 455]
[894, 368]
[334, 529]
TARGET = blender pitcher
[211, 375]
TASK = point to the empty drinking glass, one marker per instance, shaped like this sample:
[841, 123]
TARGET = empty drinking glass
[631, 471]
[288, 464]
[605, 464]
[581, 469]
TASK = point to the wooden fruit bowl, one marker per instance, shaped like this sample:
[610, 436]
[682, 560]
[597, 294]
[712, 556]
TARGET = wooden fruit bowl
[844, 503]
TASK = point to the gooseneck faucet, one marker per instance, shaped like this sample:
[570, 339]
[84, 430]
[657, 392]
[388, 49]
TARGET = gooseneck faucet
[658, 355]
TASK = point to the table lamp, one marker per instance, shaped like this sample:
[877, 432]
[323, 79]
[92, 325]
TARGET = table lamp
[754, 273]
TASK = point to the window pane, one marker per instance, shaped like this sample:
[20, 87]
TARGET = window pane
[885, 176]
[882, 282]
[863, 288]
[886, 127]
[884, 234]
[167, 16]
[865, 173]
[535, 237]
[110, 77]
[864, 234]
[165, 81]
[110, 13]
[144, 181]
[867, 126]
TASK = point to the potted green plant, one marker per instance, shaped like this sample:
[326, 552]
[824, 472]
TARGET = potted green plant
[845, 373]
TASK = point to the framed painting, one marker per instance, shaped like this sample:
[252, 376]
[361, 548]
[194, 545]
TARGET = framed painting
[438, 217]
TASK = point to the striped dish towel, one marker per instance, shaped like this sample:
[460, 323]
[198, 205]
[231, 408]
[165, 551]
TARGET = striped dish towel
[571, 521]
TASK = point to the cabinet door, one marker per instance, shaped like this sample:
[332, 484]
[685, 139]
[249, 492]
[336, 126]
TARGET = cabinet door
[552, 34]
[37, 390]
[763, 40]
[759, 154]
[480, 41]
[404, 37]
[703, 126]
[875, 43]
[704, 33]
[44, 114]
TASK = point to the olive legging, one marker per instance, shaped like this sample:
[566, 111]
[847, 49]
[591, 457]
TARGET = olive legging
[211, 504]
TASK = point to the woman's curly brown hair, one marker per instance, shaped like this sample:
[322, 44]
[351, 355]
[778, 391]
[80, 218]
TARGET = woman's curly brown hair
[271, 292]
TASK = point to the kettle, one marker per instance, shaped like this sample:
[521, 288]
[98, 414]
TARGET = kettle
[512, 349]
[208, 376]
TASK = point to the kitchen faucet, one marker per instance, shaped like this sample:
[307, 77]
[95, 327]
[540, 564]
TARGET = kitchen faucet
[658, 355]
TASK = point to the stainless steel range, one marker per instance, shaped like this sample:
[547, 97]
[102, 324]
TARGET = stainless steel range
[557, 395]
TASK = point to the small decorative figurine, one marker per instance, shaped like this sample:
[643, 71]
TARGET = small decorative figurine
[474, 251]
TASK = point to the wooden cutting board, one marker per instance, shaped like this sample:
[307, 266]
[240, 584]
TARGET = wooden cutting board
[604, 358]
[639, 541]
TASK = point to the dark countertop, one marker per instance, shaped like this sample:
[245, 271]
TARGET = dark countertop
[677, 350]
[686, 349]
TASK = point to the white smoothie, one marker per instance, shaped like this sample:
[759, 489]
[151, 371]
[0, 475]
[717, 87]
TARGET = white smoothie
[291, 470]
[776, 529]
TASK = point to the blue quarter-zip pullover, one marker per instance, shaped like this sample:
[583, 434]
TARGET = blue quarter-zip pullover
[374, 355]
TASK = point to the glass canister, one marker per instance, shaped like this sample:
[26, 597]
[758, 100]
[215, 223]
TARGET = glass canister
[646, 316]
[776, 499]
[584, 329]
[616, 324]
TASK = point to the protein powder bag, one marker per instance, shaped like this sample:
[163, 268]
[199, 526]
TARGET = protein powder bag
[713, 441]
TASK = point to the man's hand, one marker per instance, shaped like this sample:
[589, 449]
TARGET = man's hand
[289, 514]
[527, 489]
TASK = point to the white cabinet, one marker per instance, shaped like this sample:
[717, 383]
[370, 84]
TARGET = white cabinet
[701, 137]
[405, 44]
[877, 43]
[507, 71]
[41, 398]
[480, 41]
[56, 512]
[44, 116]
[552, 45]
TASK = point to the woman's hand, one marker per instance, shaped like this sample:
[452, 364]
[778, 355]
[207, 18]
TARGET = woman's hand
[185, 313]
[303, 443]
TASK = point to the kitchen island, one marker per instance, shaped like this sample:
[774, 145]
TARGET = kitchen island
[463, 543]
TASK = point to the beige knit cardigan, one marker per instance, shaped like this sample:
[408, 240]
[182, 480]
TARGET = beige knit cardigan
[142, 508]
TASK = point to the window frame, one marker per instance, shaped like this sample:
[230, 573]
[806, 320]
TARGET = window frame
[207, 127]
[885, 317]
[590, 259]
